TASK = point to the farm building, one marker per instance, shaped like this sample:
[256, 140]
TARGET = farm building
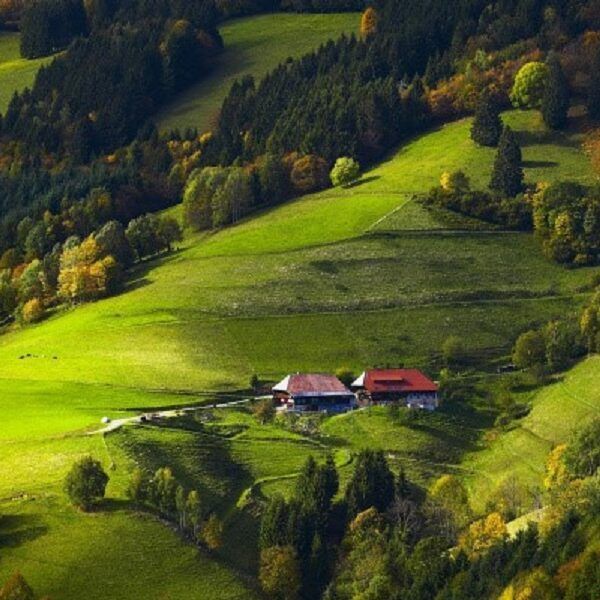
[407, 386]
[313, 392]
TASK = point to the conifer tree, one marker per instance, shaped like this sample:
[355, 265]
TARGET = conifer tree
[487, 125]
[555, 101]
[507, 175]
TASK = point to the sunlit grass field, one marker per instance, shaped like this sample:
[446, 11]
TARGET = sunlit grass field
[253, 46]
[557, 410]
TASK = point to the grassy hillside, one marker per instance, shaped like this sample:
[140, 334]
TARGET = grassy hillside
[253, 46]
[16, 73]
[557, 410]
[355, 277]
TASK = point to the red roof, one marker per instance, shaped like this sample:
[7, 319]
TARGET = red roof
[398, 380]
[302, 383]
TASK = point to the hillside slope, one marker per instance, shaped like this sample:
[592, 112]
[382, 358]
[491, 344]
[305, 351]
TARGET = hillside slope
[556, 411]
[253, 46]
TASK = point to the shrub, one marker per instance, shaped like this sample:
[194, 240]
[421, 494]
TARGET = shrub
[85, 483]
[264, 411]
[530, 84]
[345, 171]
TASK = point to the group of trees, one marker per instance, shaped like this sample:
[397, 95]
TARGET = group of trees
[455, 193]
[50, 266]
[566, 218]
[557, 344]
[163, 494]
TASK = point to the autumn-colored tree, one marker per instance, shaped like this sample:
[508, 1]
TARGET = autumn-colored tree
[535, 585]
[455, 182]
[212, 532]
[32, 311]
[85, 276]
[280, 572]
[483, 534]
[16, 588]
[309, 174]
[556, 472]
[368, 23]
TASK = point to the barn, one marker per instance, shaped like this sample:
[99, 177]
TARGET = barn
[409, 387]
[313, 392]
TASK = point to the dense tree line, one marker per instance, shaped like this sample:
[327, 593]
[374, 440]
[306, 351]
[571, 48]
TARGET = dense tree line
[360, 97]
[388, 538]
[49, 25]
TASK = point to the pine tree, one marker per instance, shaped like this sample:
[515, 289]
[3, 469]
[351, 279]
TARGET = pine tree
[555, 101]
[487, 125]
[507, 175]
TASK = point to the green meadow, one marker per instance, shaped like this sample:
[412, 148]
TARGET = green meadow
[356, 277]
[253, 46]
[16, 73]
[556, 411]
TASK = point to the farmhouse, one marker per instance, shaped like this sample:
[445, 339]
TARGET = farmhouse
[406, 386]
[313, 392]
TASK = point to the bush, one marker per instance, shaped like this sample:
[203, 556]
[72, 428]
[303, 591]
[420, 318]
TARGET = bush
[345, 171]
[85, 483]
[264, 411]
[530, 84]
[309, 174]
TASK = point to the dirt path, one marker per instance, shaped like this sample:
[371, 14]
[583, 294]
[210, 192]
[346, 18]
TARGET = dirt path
[163, 414]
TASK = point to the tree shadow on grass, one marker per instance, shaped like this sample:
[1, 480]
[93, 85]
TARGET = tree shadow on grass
[362, 181]
[546, 138]
[19, 529]
[539, 164]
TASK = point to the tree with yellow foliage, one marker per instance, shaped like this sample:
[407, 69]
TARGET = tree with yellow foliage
[212, 533]
[556, 472]
[32, 311]
[368, 23]
[537, 585]
[280, 572]
[85, 274]
[483, 534]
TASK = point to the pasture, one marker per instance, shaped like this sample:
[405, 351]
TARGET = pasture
[16, 73]
[253, 46]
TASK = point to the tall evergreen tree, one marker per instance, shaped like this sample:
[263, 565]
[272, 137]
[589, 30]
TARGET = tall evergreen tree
[507, 175]
[555, 101]
[487, 125]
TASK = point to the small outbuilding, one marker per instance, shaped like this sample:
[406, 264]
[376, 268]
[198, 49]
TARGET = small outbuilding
[408, 387]
[313, 392]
